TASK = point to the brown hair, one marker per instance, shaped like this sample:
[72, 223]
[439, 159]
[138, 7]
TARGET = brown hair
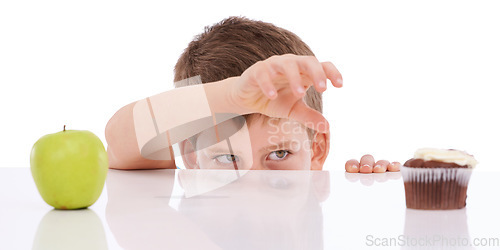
[226, 49]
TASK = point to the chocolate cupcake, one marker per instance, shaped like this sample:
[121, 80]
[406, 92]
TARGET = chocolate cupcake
[437, 179]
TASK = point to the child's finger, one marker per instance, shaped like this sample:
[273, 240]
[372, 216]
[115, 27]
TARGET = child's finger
[313, 68]
[292, 73]
[380, 166]
[394, 166]
[352, 166]
[333, 74]
[263, 78]
[366, 164]
[309, 117]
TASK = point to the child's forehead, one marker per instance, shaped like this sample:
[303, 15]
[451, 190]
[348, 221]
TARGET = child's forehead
[263, 121]
[258, 127]
[265, 124]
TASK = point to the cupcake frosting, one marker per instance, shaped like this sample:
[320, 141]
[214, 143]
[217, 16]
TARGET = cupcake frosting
[446, 155]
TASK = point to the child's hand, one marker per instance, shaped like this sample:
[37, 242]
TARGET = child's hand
[367, 164]
[275, 87]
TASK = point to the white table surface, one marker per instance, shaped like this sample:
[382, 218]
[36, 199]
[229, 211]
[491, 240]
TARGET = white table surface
[219, 209]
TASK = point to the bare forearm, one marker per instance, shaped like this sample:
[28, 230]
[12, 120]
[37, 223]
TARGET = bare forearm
[178, 113]
[123, 150]
[175, 115]
[219, 97]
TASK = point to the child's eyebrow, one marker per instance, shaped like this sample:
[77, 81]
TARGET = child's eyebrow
[279, 146]
[223, 149]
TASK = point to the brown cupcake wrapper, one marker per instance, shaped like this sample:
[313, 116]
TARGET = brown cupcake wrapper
[435, 188]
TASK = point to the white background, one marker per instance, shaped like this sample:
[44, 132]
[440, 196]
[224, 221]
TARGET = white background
[419, 74]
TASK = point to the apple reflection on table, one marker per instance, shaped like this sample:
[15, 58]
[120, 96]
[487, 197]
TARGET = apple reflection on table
[70, 229]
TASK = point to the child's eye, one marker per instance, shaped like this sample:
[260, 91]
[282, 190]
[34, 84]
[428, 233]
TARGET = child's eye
[226, 158]
[278, 155]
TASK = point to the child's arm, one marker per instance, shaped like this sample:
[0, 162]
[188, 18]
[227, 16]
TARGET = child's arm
[123, 151]
[180, 113]
[273, 87]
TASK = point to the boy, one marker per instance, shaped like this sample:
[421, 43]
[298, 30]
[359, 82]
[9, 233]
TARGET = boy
[249, 68]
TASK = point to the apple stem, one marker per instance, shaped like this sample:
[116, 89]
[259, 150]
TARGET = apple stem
[64, 128]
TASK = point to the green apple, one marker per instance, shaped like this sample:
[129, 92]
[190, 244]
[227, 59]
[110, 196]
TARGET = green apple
[69, 168]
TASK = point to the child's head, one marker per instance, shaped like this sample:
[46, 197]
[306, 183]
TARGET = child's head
[228, 48]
